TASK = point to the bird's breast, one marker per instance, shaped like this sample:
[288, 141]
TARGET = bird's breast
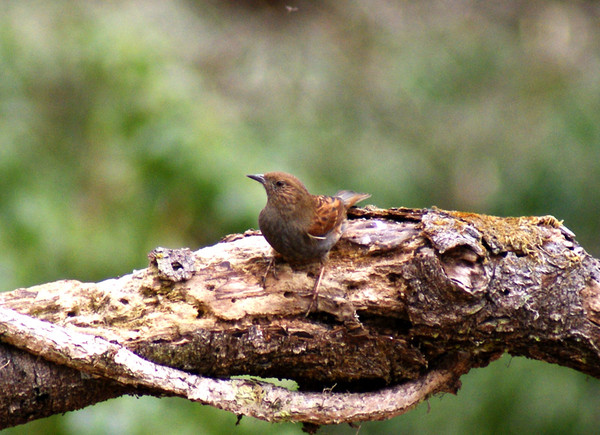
[290, 238]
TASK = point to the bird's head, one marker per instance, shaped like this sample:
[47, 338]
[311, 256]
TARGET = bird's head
[283, 190]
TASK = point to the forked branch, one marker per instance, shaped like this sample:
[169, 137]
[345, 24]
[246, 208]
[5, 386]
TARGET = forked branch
[410, 301]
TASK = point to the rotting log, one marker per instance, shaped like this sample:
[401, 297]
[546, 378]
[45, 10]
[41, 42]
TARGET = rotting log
[411, 299]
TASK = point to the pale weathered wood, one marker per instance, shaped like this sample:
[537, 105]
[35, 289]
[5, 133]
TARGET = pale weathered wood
[410, 300]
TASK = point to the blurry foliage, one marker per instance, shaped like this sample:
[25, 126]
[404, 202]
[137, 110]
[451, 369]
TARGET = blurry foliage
[129, 125]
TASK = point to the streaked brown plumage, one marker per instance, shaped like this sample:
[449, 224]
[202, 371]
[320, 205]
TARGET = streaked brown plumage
[300, 226]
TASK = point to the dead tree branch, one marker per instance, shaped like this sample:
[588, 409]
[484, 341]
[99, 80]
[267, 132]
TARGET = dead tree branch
[410, 301]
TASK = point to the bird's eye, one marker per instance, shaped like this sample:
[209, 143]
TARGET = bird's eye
[279, 183]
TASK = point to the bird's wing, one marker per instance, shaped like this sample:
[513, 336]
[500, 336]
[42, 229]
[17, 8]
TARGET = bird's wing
[329, 212]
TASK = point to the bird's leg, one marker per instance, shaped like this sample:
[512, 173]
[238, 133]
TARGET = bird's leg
[264, 278]
[269, 267]
[315, 295]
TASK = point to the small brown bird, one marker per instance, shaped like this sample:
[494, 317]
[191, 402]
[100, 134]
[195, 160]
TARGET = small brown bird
[300, 226]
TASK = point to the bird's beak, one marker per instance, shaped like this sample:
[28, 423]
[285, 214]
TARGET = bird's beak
[258, 177]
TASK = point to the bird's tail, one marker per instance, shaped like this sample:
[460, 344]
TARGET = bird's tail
[349, 198]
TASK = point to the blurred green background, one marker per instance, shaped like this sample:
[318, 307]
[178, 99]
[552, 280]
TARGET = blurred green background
[130, 125]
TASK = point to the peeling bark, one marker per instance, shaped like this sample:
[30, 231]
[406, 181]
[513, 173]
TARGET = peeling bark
[410, 300]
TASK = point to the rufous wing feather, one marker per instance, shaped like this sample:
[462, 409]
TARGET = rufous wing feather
[329, 213]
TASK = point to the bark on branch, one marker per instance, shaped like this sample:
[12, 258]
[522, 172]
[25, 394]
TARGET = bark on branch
[410, 301]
